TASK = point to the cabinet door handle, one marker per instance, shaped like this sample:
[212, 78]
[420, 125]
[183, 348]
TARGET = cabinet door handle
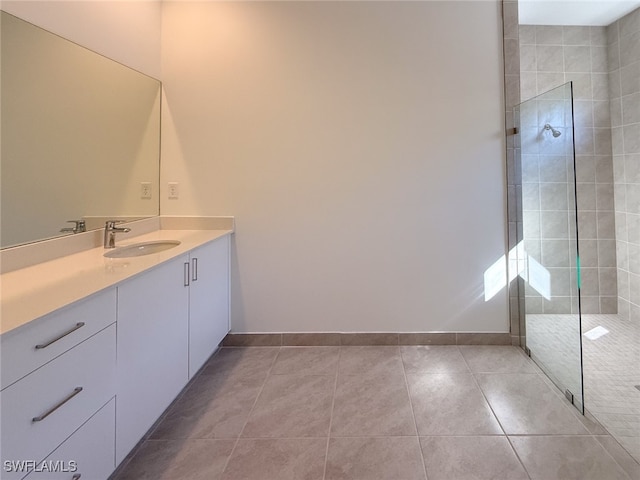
[186, 274]
[194, 273]
[39, 418]
[59, 337]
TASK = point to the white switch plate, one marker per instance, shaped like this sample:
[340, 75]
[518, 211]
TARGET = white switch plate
[145, 190]
[174, 191]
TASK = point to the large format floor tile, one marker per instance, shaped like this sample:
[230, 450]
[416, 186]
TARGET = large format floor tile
[450, 404]
[241, 362]
[497, 359]
[375, 413]
[281, 459]
[471, 458]
[307, 361]
[377, 458]
[216, 406]
[370, 360]
[366, 405]
[566, 458]
[433, 359]
[292, 406]
[185, 459]
[525, 405]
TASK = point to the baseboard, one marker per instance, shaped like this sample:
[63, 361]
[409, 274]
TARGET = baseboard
[353, 339]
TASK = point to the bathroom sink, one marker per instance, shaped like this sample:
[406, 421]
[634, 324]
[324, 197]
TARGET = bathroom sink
[140, 249]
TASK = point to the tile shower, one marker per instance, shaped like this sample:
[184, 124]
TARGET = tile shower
[603, 64]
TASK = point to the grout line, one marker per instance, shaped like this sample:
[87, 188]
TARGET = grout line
[273, 362]
[333, 402]
[413, 413]
[473, 375]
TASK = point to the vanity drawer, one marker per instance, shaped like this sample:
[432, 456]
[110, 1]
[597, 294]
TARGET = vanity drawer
[91, 449]
[27, 348]
[89, 366]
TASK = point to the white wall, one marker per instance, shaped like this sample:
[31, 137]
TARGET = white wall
[127, 31]
[360, 146]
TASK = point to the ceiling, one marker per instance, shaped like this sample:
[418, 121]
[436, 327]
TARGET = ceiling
[574, 12]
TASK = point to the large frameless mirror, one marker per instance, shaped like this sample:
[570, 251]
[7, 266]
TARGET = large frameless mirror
[80, 137]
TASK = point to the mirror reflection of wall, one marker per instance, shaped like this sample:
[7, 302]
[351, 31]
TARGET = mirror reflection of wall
[80, 136]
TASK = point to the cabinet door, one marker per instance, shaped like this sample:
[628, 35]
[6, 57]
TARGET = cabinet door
[208, 301]
[152, 347]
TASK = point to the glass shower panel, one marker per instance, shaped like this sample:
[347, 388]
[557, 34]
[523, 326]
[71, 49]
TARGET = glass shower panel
[548, 254]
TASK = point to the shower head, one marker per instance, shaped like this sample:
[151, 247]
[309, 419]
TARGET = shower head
[554, 132]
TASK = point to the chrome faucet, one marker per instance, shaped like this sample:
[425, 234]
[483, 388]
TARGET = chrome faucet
[80, 226]
[110, 231]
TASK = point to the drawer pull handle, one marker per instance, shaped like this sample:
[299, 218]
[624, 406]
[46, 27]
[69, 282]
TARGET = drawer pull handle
[76, 391]
[45, 345]
[76, 476]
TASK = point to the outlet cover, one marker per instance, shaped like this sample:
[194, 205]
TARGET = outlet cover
[174, 191]
[145, 190]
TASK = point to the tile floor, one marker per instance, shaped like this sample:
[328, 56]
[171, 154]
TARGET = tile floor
[389, 413]
[611, 367]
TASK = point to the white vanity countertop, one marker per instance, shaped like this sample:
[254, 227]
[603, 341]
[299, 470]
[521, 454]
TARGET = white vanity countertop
[31, 292]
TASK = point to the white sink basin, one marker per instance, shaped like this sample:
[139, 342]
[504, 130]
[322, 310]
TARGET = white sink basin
[140, 249]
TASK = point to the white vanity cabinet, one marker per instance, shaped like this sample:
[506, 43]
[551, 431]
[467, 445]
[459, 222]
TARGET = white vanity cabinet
[208, 301]
[153, 342]
[44, 408]
[170, 320]
[83, 384]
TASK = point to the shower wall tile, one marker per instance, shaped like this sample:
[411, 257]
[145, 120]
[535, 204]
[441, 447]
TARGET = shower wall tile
[600, 85]
[576, 35]
[589, 302]
[633, 200]
[604, 198]
[601, 114]
[604, 170]
[629, 48]
[577, 59]
[553, 225]
[631, 108]
[599, 59]
[630, 23]
[608, 304]
[548, 34]
[585, 168]
[586, 196]
[549, 58]
[599, 36]
[548, 81]
[607, 253]
[585, 61]
[631, 134]
[607, 281]
[606, 225]
[624, 74]
[511, 35]
[632, 168]
[588, 224]
[630, 79]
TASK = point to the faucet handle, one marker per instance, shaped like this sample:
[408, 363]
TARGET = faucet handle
[112, 223]
[80, 226]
